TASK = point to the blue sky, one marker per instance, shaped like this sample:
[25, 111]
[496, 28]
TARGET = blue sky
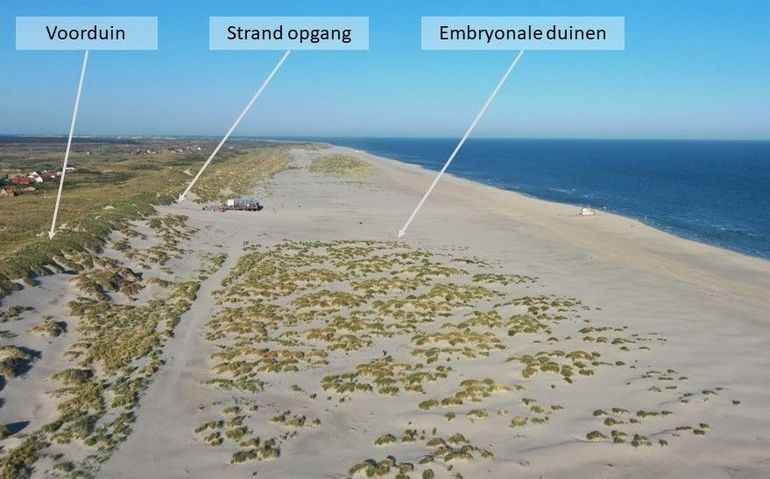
[691, 69]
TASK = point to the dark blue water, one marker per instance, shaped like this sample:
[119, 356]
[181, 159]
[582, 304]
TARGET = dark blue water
[716, 192]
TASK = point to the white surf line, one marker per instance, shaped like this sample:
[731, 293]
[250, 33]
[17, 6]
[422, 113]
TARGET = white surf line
[402, 231]
[237, 120]
[69, 145]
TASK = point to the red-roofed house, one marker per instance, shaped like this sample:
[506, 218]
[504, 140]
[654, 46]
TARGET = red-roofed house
[22, 180]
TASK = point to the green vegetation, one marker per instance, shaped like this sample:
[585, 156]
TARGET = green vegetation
[308, 307]
[503, 279]
[384, 440]
[595, 436]
[13, 360]
[340, 165]
[235, 431]
[114, 185]
[106, 276]
[444, 451]
[558, 362]
[50, 327]
[301, 305]
[118, 345]
[621, 424]
[114, 358]
[240, 174]
[13, 313]
[518, 421]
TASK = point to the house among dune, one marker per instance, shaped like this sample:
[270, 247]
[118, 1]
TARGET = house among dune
[49, 175]
[35, 177]
[22, 180]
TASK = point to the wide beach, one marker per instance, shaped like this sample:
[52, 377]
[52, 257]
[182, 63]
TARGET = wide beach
[502, 336]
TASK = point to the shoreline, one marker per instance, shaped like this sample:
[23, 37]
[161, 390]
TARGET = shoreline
[661, 248]
[608, 211]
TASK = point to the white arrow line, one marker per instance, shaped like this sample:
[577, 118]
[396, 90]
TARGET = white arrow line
[402, 231]
[69, 144]
[237, 120]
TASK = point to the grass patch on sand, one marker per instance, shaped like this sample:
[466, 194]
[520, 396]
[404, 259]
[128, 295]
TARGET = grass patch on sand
[233, 429]
[340, 165]
[240, 174]
[381, 320]
[439, 452]
[49, 327]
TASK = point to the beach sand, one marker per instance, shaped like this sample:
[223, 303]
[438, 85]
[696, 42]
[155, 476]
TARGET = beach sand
[680, 330]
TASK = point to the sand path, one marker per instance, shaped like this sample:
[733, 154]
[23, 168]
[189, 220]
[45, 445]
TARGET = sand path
[170, 400]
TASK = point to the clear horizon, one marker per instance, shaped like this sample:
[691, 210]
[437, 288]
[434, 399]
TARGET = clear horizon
[676, 80]
[332, 137]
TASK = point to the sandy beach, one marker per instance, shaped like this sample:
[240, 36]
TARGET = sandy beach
[502, 336]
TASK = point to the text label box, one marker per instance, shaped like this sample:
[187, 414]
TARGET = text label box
[289, 33]
[86, 33]
[523, 33]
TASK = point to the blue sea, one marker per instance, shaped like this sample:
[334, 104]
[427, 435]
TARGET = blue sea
[715, 192]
